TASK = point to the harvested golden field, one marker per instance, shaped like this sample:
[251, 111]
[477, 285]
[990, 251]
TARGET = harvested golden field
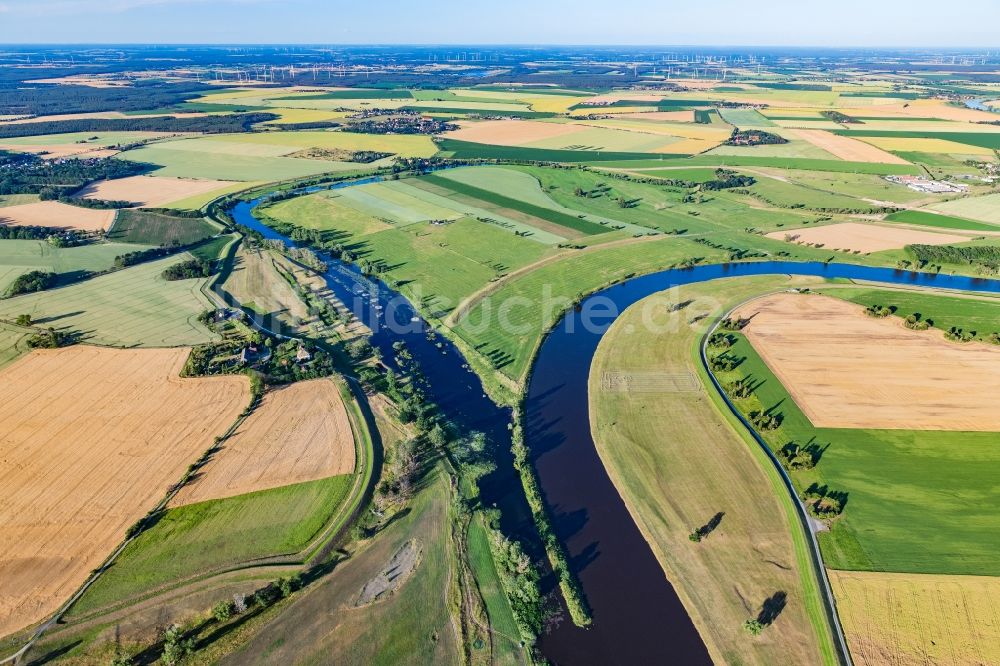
[676, 463]
[511, 132]
[847, 148]
[151, 190]
[694, 138]
[611, 98]
[919, 619]
[98, 115]
[298, 433]
[585, 111]
[551, 103]
[845, 369]
[60, 150]
[92, 439]
[717, 133]
[57, 216]
[923, 108]
[863, 237]
[689, 147]
[660, 116]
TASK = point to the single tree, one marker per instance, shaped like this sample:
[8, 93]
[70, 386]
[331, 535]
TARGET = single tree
[753, 626]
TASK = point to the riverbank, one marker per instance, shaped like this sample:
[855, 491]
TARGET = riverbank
[682, 469]
[573, 479]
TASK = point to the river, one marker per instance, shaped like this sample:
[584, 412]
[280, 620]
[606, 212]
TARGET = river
[638, 617]
[980, 105]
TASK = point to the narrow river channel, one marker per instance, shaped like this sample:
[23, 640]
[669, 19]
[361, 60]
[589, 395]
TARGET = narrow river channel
[638, 618]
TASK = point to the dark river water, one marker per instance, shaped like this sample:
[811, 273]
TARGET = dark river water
[638, 618]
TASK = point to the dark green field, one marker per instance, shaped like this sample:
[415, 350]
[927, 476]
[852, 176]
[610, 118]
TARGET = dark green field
[546, 214]
[942, 221]
[983, 140]
[980, 316]
[466, 150]
[802, 163]
[918, 501]
[153, 228]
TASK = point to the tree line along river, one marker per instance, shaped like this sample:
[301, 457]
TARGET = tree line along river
[638, 617]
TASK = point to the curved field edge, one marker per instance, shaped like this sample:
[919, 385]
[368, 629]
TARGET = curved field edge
[402, 626]
[16, 645]
[507, 391]
[864, 637]
[320, 542]
[502, 365]
[822, 608]
[917, 501]
[696, 574]
[210, 534]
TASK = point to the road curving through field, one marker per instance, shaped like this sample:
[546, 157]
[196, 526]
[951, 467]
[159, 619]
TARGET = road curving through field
[638, 617]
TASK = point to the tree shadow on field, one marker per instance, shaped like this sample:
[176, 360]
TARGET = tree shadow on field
[499, 359]
[772, 608]
[773, 408]
[69, 277]
[712, 524]
[53, 655]
[815, 449]
[338, 236]
[754, 382]
[48, 320]
[399, 515]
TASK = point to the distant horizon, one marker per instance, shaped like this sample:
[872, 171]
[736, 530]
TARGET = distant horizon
[527, 45]
[779, 23]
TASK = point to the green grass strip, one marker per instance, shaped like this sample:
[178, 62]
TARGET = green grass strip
[554, 216]
[481, 560]
[208, 535]
[467, 150]
[981, 139]
[354, 93]
[801, 163]
[941, 221]
[444, 108]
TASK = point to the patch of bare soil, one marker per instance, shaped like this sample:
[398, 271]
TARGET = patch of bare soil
[392, 577]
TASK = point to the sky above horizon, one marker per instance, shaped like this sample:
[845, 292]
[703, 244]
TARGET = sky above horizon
[620, 22]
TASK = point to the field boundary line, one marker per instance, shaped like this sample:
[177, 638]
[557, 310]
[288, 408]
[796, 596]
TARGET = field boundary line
[106, 564]
[316, 548]
[816, 557]
[474, 299]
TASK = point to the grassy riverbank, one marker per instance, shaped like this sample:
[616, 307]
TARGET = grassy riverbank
[678, 463]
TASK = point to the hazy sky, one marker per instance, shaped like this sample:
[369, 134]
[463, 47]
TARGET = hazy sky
[652, 22]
